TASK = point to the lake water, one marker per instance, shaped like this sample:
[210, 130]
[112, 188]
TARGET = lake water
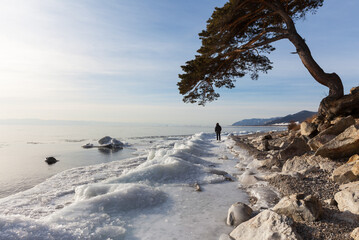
[93, 194]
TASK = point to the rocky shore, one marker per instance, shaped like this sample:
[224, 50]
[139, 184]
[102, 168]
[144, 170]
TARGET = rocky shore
[314, 170]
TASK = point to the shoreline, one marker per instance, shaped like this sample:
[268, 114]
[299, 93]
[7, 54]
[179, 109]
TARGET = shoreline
[332, 224]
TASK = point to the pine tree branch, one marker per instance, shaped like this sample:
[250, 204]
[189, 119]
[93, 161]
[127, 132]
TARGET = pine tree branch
[251, 45]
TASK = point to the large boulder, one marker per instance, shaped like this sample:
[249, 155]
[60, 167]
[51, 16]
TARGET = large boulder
[300, 164]
[267, 225]
[345, 144]
[344, 174]
[238, 213]
[330, 133]
[348, 197]
[299, 207]
[308, 129]
[309, 163]
[323, 163]
[296, 148]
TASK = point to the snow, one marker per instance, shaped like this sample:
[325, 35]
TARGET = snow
[150, 196]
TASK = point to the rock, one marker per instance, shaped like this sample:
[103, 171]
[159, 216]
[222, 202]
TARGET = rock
[299, 207]
[116, 143]
[345, 144]
[299, 164]
[296, 148]
[353, 158]
[105, 140]
[321, 162]
[344, 174]
[267, 137]
[354, 90]
[109, 142]
[330, 202]
[328, 166]
[355, 168]
[307, 129]
[283, 144]
[247, 179]
[348, 197]
[316, 143]
[317, 120]
[330, 133]
[238, 213]
[323, 126]
[267, 225]
[355, 234]
[264, 146]
[347, 217]
[275, 169]
[51, 160]
[271, 161]
[88, 145]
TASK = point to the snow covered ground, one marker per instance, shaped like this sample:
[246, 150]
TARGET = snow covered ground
[149, 196]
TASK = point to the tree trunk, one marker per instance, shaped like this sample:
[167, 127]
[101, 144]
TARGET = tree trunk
[344, 106]
[330, 80]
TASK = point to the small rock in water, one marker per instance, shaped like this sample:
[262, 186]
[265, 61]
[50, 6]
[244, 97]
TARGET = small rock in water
[88, 145]
[109, 142]
[197, 187]
[51, 160]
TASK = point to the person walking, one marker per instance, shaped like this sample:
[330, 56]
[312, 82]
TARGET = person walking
[218, 130]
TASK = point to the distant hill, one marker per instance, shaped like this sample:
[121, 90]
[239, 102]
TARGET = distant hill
[297, 117]
[254, 121]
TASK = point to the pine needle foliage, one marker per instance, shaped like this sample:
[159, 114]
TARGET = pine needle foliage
[236, 42]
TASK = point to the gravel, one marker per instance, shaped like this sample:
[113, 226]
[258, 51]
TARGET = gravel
[332, 224]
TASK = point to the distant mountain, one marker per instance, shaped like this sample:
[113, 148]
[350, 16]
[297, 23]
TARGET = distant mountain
[254, 121]
[297, 117]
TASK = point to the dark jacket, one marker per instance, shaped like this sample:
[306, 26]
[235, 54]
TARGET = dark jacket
[218, 128]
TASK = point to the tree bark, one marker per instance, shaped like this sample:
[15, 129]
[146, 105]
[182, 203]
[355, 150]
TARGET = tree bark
[330, 80]
[344, 106]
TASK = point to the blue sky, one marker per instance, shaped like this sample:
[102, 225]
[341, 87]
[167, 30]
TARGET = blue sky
[118, 61]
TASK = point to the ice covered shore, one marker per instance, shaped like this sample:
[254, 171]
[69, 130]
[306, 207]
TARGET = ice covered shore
[150, 196]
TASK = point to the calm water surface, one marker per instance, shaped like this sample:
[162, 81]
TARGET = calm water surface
[23, 148]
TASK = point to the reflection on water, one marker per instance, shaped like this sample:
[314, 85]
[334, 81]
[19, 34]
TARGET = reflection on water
[109, 150]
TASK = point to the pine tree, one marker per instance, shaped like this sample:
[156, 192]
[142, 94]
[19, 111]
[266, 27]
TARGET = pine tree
[237, 40]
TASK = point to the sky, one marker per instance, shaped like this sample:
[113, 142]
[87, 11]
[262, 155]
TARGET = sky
[118, 61]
